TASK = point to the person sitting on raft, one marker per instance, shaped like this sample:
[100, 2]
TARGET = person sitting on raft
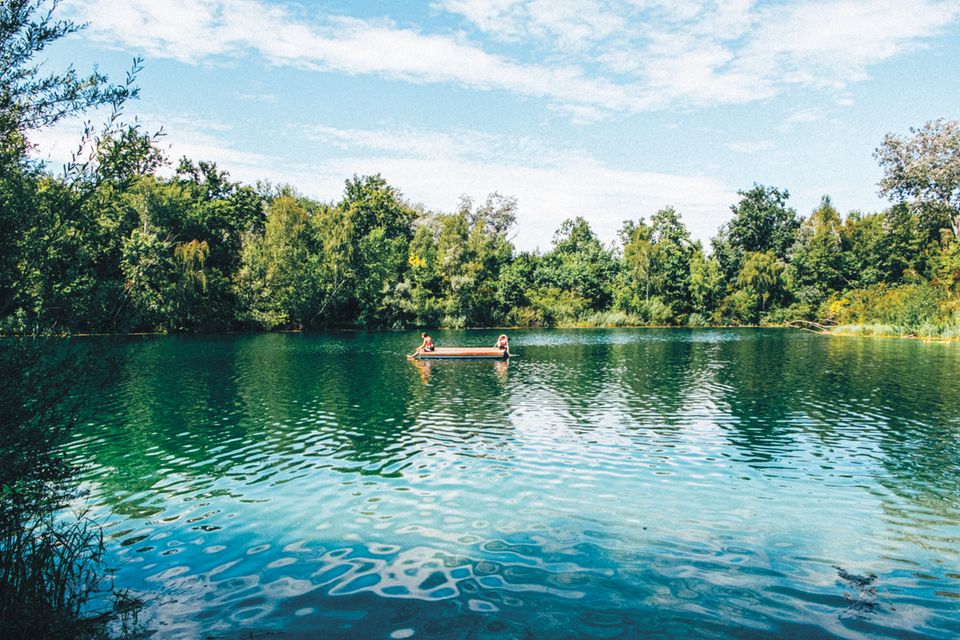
[427, 345]
[502, 343]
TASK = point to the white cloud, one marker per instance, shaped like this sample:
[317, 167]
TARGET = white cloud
[572, 25]
[751, 146]
[234, 27]
[709, 52]
[806, 114]
[460, 143]
[831, 43]
[199, 145]
[267, 98]
[56, 145]
[587, 58]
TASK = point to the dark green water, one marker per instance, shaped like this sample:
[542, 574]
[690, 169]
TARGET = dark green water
[607, 484]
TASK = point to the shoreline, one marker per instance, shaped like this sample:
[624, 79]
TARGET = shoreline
[851, 331]
[952, 334]
[132, 334]
[841, 331]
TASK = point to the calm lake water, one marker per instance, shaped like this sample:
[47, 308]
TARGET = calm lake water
[603, 484]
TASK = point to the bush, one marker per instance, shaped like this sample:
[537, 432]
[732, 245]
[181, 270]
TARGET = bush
[453, 322]
[611, 319]
[697, 320]
[738, 308]
[657, 312]
[796, 311]
[559, 306]
[908, 307]
[50, 561]
[526, 317]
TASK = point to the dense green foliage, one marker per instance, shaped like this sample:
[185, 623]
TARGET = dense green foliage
[137, 250]
[50, 555]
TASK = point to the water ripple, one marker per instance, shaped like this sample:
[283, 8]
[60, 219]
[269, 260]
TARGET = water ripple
[719, 484]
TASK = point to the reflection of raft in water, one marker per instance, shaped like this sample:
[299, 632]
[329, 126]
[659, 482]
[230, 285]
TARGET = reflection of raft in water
[463, 353]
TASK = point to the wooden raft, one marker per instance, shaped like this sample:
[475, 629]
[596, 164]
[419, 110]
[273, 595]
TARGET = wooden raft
[472, 353]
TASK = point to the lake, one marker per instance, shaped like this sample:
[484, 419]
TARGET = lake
[602, 484]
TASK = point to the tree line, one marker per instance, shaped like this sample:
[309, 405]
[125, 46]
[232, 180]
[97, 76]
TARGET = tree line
[113, 245]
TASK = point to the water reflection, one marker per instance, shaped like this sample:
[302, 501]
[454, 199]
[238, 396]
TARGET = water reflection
[605, 483]
[423, 368]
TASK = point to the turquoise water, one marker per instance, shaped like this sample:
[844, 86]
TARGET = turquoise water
[603, 484]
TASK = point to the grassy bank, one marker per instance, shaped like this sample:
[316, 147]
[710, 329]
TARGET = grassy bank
[923, 332]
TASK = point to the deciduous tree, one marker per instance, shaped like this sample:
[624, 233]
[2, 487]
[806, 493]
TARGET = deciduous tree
[924, 170]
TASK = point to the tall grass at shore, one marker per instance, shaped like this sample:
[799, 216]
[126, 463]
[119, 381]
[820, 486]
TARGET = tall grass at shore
[51, 557]
[926, 330]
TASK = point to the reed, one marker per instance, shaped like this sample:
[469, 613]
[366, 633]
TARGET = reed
[926, 330]
[51, 558]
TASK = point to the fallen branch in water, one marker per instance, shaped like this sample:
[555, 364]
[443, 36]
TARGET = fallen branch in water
[811, 326]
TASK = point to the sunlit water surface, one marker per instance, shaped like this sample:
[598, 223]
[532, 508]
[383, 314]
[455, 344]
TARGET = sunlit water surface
[603, 484]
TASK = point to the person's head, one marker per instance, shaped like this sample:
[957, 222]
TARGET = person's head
[503, 337]
[424, 335]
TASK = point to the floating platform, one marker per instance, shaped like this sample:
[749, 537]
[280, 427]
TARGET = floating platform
[464, 353]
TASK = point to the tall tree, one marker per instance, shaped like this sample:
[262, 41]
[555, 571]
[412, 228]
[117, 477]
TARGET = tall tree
[279, 280]
[761, 222]
[762, 276]
[638, 250]
[924, 170]
[671, 258]
[706, 282]
[31, 99]
[656, 265]
[380, 225]
[579, 265]
[816, 258]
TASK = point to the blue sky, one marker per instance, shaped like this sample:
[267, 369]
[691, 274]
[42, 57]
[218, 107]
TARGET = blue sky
[609, 109]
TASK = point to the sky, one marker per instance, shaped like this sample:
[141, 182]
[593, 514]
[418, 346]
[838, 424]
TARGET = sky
[606, 109]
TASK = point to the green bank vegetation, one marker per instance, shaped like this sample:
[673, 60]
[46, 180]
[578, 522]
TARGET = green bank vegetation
[116, 245]
[119, 247]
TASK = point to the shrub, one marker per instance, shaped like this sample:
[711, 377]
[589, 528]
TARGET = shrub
[738, 308]
[526, 317]
[909, 306]
[697, 320]
[611, 319]
[50, 560]
[453, 322]
[657, 312]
